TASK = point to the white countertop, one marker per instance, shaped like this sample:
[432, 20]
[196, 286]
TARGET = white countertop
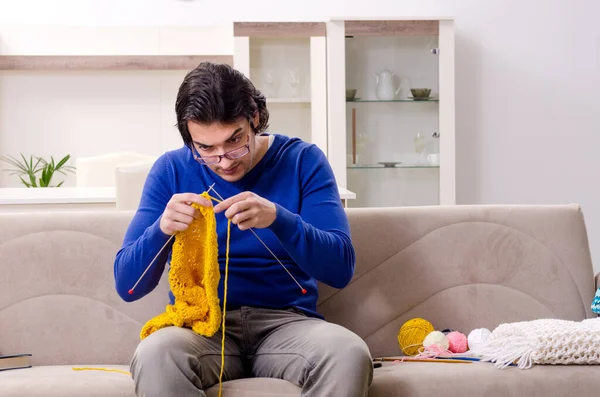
[78, 195]
[57, 195]
[346, 194]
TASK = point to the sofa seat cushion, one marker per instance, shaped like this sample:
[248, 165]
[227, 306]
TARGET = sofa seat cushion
[483, 379]
[63, 381]
[256, 387]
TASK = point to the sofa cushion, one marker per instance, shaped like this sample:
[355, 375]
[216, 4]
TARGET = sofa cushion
[462, 267]
[256, 387]
[63, 381]
[57, 296]
[398, 380]
[483, 379]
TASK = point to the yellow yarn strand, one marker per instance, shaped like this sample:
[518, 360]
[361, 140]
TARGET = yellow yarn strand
[224, 308]
[100, 369]
[212, 198]
[224, 299]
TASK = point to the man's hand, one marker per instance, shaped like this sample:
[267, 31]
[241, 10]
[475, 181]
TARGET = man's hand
[248, 210]
[179, 212]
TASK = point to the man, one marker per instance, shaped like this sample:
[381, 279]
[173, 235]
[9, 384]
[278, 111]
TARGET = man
[285, 190]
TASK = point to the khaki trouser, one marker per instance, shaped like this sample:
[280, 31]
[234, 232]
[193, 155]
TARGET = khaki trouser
[322, 358]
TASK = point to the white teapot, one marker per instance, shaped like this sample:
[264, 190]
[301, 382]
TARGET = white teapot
[385, 89]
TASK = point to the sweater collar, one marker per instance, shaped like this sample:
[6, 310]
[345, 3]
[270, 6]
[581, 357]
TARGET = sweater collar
[251, 177]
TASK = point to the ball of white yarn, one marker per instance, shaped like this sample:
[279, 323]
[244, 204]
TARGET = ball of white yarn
[477, 336]
[436, 338]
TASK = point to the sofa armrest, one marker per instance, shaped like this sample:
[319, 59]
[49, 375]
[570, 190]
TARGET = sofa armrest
[597, 280]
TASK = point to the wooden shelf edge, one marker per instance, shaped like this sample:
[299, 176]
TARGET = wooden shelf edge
[279, 29]
[388, 18]
[108, 62]
[391, 28]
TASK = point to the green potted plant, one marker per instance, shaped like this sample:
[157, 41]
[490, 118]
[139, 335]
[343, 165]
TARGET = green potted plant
[36, 171]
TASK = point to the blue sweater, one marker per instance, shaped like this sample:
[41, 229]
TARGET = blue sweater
[310, 235]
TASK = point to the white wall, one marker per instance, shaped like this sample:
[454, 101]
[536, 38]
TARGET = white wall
[86, 114]
[527, 82]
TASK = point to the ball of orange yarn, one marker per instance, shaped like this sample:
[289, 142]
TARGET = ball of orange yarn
[412, 334]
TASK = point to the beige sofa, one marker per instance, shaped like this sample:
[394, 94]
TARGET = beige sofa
[460, 267]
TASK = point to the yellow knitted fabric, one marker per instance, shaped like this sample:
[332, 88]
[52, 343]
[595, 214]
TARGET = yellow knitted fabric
[194, 279]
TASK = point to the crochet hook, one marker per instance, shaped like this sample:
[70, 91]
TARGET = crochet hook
[263, 243]
[156, 256]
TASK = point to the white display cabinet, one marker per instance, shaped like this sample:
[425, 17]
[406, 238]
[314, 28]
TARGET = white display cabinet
[286, 61]
[390, 147]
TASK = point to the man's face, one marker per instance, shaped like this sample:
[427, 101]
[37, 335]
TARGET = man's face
[213, 139]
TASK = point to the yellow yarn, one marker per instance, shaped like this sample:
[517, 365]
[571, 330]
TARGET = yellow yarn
[224, 309]
[100, 369]
[412, 334]
[194, 280]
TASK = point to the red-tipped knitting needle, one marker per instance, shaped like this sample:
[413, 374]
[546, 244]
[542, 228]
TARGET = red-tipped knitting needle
[147, 268]
[151, 262]
[263, 243]
[211, 187]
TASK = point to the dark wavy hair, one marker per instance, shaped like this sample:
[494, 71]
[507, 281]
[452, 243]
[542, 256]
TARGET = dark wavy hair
[218, 93]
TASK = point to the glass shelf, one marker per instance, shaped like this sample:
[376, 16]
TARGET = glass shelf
[380, 166]
[392, 100]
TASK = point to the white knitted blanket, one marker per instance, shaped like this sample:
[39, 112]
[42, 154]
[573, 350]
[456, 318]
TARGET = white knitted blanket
[544, 341]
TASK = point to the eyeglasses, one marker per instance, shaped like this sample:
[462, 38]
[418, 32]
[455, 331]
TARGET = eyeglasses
[215, 159]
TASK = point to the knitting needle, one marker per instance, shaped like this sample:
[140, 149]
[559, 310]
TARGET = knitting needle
[423, 360]
[148, 267]
[263, 243]
[156, 256]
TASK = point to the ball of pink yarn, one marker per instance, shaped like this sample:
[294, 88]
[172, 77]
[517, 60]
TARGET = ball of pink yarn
[457, 342]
